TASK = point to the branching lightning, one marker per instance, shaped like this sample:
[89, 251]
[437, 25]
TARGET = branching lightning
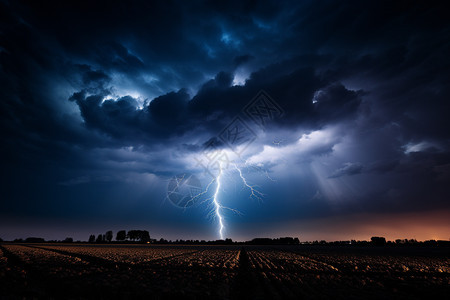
[198, 196]
[253, 188]
[216, 207]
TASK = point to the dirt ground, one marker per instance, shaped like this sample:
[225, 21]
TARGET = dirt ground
[221, 272]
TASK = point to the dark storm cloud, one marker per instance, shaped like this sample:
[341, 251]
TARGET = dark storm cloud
[91, 90]
[335, 102]
[242, 59]
[175, 112]
[383, 166]
[348, 169]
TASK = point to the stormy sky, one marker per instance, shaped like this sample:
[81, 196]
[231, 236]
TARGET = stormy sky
[341, 109]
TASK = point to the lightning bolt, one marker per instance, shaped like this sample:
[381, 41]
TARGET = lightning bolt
[199, 195]
[260, 170]
[217, 205]
[253, 188]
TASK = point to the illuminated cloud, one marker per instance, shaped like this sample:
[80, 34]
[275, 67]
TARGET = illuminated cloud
[318, 142]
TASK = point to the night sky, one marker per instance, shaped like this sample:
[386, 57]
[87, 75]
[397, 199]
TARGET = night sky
[342, 106]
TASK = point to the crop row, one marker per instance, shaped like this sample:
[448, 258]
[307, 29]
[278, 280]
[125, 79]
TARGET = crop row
[290, 275]
[202, 272]
[130, 255]
[215, 258]
[287, 273]
[173, 257]
[286, 261]
[216, 271]
[385, 264]
[49, 262]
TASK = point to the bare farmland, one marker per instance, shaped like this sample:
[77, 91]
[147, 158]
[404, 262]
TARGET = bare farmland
[220, 272]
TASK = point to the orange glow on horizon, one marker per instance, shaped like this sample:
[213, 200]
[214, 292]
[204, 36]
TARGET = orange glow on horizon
[431, 225]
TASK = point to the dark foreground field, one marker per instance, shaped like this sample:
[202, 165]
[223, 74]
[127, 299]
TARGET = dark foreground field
[222, 272]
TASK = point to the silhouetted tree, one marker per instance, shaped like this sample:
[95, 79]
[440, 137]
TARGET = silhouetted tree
[144, 236]
[92, 238]
[121, 235]
[1, 240]
[132, 235]
[109, 236]
[378, 241]
[68, 240]
[140, 235]
[99, 238]
[34, 240]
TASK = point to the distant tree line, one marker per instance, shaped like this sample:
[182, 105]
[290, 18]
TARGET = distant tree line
[381, 241]
[279, 241]
[256, 241]
[142, 236]
[194, 242]
[42, 240]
